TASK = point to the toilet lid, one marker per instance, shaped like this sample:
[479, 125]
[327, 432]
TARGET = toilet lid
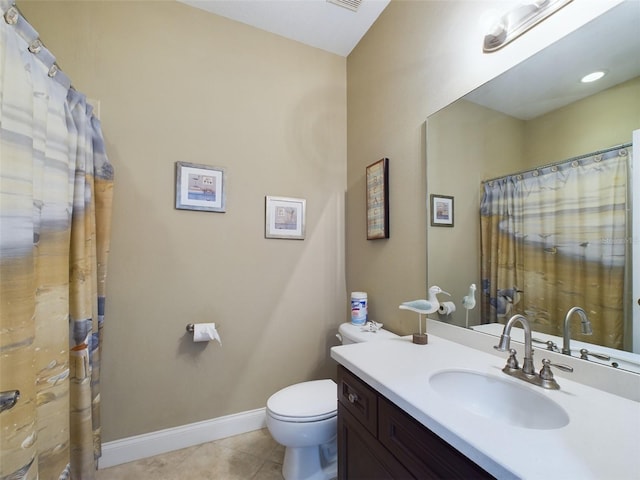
[359, 334]
[314, 400]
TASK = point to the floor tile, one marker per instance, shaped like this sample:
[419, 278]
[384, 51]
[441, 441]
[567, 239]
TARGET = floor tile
[269, 471]
[211, 460]
[254, 455]
[258, 443]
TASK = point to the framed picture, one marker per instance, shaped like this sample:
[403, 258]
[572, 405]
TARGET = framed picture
[284, 217]
[200, 187]
[441, 211]
[378, 200]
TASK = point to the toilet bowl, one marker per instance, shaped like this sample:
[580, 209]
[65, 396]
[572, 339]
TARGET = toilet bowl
[303, 418]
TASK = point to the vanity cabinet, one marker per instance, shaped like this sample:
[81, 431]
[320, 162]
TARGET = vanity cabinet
[377, 440]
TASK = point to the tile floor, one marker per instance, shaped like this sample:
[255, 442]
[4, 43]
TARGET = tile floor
[250, 456]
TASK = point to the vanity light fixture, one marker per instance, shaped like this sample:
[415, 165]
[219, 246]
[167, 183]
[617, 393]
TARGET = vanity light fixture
[517, 21]
[593, 76]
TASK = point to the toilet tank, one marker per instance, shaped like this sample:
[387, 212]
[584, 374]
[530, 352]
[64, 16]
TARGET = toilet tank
[349, 333]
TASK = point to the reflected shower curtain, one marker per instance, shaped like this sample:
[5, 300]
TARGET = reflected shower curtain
[55, 208]
[554, 238]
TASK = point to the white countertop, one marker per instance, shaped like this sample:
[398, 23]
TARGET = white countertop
[600, 442]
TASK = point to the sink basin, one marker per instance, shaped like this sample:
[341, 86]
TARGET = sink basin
[499, 399]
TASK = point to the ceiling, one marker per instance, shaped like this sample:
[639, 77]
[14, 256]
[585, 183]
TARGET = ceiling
[317, 23]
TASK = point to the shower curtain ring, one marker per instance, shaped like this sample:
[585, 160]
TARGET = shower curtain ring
[11, 15]
[53, 70]
[35, 46]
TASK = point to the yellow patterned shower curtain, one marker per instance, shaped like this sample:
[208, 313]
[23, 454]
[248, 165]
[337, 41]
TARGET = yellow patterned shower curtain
[556, 237]
[55, 210]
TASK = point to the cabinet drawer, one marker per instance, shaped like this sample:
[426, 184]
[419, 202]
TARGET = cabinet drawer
[420, 450]
[359, 399]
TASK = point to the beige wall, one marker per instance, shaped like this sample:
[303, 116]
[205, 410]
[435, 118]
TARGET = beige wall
[176, 84]
[597, 122]
[418, 57]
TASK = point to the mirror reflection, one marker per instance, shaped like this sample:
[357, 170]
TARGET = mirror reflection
[545, 159]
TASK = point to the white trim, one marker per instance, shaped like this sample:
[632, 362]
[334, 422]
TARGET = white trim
[170, 439]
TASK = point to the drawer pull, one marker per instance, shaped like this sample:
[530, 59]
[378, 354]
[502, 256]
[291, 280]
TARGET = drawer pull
[353, 398]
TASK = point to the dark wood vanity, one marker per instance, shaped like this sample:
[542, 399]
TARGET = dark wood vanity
[377, 440]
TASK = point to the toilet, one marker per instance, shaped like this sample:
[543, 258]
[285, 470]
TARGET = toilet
[304, 417]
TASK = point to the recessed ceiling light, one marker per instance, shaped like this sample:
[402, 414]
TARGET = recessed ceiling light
[593, 76]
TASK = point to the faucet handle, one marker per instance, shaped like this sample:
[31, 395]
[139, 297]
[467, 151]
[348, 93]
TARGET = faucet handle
[546, 375]
[584, 355]
[512, 361]
[550, 345]
[561, 366]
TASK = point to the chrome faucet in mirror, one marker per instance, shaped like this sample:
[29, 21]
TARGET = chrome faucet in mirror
[585, 325]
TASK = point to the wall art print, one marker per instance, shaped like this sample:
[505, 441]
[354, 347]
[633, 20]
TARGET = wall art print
[200, 187]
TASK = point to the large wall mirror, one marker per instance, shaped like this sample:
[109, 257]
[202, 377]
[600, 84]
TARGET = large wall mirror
[538, 116]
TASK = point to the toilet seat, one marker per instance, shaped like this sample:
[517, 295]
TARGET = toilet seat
[305, 402]
[287, 418]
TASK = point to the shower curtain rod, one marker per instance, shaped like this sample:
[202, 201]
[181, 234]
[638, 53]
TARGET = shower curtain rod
[555, 164]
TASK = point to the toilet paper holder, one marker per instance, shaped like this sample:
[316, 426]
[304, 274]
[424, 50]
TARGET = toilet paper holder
[190, 327]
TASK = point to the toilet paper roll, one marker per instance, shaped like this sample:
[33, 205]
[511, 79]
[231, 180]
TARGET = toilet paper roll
[446, 308]
[205, 332]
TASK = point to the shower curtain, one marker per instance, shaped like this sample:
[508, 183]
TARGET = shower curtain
[55, 208]
[555, 237]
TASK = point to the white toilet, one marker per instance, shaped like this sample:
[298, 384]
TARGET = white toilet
[303, 418]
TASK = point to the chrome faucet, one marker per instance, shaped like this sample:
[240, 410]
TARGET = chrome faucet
[585, 325]
[505, 342]
[527, 373]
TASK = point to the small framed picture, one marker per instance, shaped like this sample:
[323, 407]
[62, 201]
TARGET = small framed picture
[378, 200]
[441, 211]
[200, 187]
[284, 217]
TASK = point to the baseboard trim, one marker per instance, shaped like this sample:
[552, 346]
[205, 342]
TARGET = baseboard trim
[170, 439]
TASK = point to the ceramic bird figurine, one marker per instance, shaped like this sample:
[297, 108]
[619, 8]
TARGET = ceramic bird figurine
[469, 300]
[430, 305]
[419, 306]
[424, 307]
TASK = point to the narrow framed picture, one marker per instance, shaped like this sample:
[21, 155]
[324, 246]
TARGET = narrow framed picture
[284, 217]
[200, 187]
[378, 200]
[441, 211]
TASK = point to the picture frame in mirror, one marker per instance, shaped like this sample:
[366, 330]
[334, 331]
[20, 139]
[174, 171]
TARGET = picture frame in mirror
[441, 211]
